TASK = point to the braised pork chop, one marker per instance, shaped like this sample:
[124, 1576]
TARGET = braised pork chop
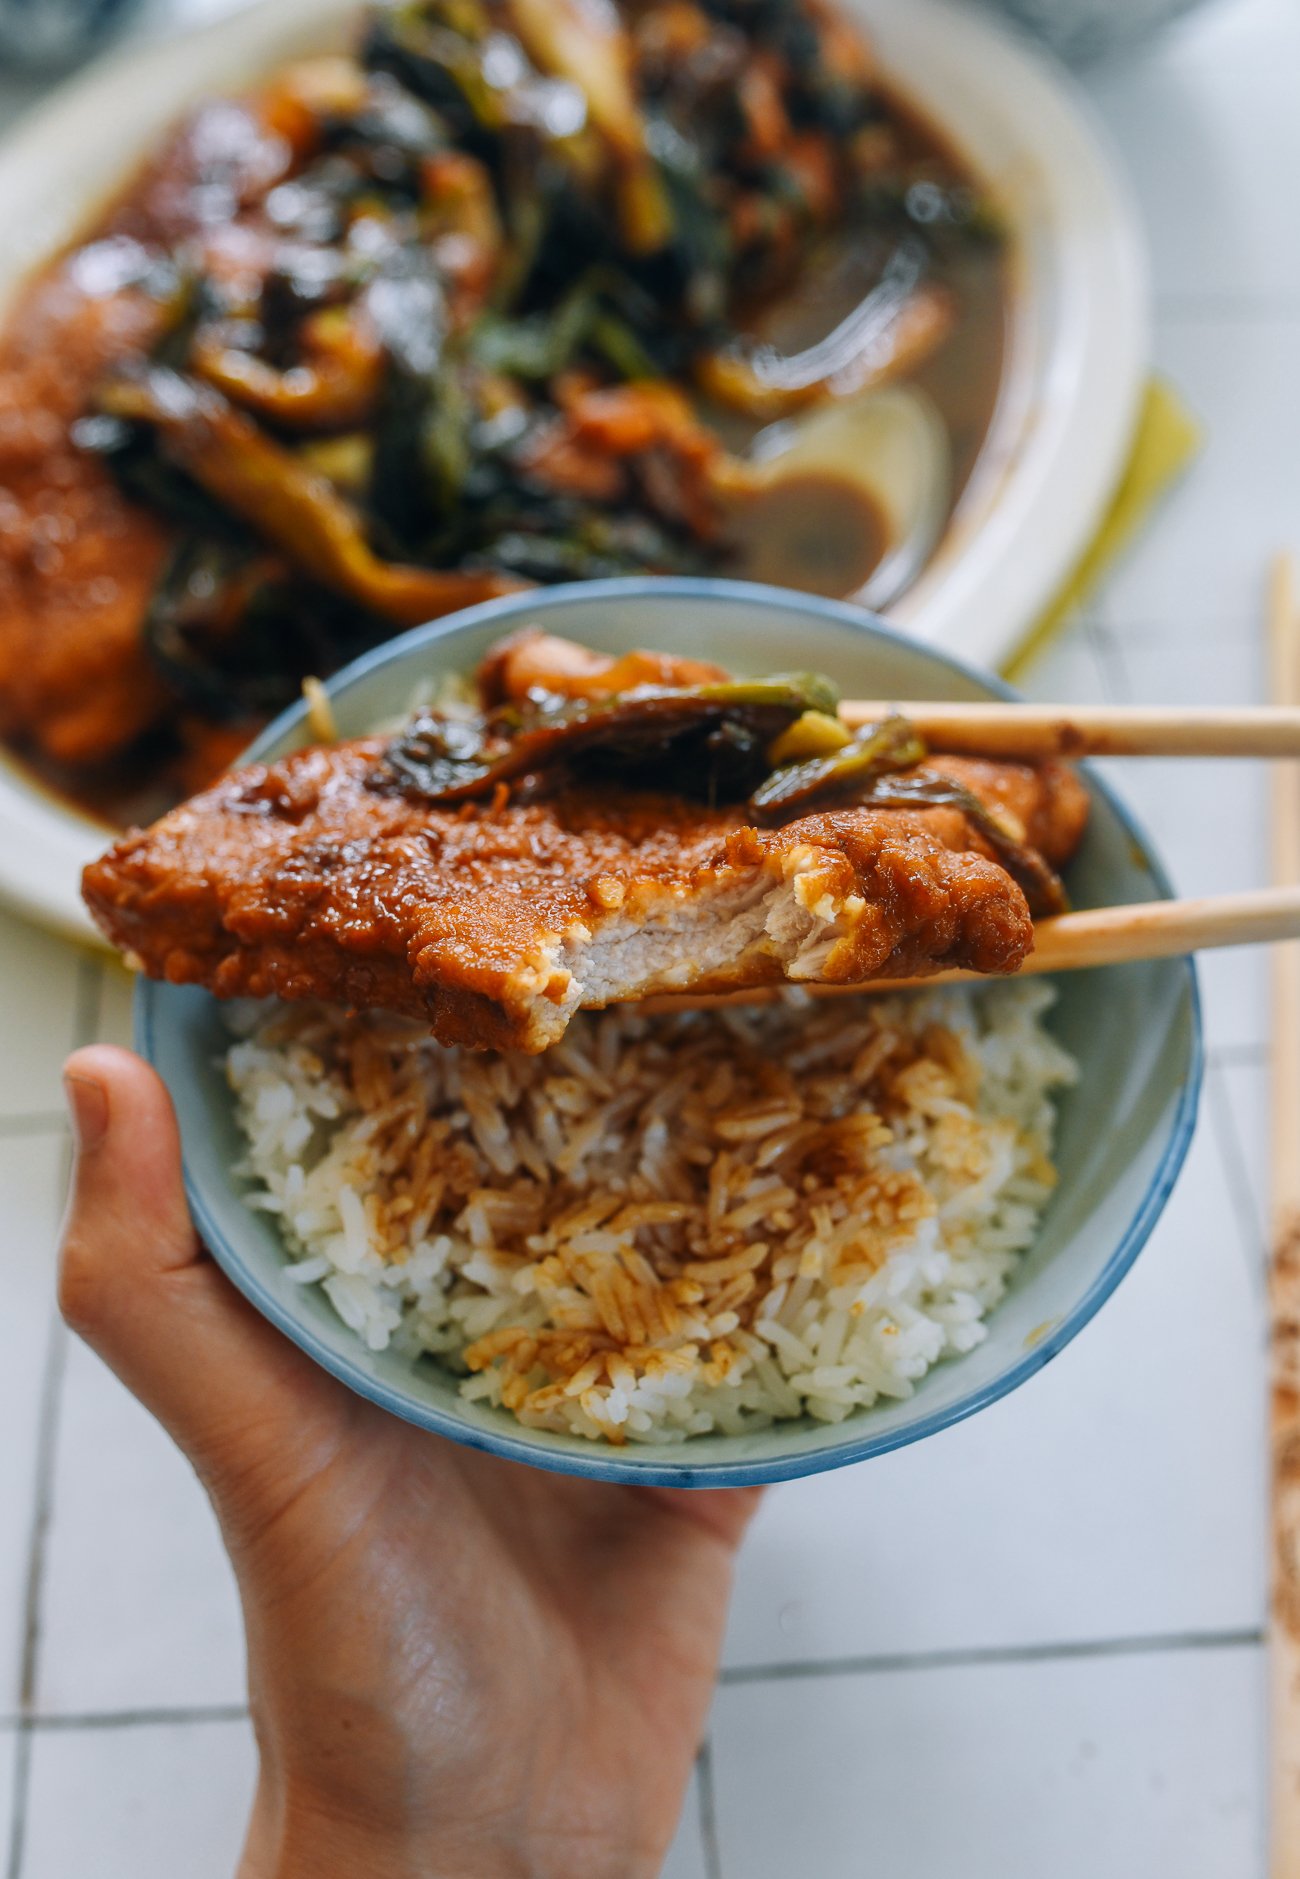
[494, 920]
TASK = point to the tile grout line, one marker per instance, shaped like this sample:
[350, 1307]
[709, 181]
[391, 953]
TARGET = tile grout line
[1155, 1643]
[708, 1810]
[976, 1656]
[17, 1831]
[51, 1389]
[1237, 1056]
[100, 1720]
[1236, 1171]
[85, 1025]
[1108, 657]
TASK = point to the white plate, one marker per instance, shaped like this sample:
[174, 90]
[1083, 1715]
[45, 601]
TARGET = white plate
[1077, 351]
[1080, 341]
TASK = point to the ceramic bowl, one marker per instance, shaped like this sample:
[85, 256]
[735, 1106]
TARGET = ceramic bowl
[1122, 1134]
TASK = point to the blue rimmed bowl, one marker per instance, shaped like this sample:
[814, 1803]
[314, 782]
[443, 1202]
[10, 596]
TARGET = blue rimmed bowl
[1123, 1130]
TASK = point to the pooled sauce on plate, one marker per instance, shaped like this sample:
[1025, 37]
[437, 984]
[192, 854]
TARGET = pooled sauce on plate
[816, 531]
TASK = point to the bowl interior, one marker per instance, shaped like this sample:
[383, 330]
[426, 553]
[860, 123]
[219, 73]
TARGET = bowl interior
[1122, 1131]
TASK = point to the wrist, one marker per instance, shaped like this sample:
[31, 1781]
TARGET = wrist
[291, 1838]
[295, 1836]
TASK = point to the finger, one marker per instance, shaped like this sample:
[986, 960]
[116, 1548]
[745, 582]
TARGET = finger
[723, 1512]
[135, 1283]
[731, 1509]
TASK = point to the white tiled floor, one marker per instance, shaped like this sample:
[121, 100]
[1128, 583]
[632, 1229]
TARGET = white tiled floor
[31, 1177]
[1202, 571]
[1030, 1646]
[1129, 1765]
[1208, 129]
[148, 1618]
[139, 1800]
[41, 997]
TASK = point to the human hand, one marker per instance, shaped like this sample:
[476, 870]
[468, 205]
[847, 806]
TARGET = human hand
[456, 1666]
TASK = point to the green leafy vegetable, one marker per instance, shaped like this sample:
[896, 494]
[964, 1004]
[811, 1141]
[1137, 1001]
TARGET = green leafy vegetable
[875, 751]
[394, 337]
[706, 742]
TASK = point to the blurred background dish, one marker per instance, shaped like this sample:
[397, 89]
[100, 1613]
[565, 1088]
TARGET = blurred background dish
[409, 324]
[1074, 356]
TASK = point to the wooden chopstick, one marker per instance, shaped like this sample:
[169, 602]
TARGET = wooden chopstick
[1284, 672]
[1030, 731]
[1101, 936]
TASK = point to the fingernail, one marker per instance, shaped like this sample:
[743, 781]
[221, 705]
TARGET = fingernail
[88, 1104]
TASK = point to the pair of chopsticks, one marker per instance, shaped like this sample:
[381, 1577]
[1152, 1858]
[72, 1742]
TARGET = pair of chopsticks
[1284, 671]
[1035, 732]
[1161, 929]
[1072, 942]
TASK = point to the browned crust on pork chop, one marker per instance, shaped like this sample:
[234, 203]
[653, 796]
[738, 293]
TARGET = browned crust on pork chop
[493, 922]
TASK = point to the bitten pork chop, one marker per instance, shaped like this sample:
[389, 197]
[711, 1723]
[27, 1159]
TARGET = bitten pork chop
[492, 888]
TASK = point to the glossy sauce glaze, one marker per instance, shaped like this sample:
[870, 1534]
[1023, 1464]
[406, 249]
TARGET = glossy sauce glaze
[301, 880]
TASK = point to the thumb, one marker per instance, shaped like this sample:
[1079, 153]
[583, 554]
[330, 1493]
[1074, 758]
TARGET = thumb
[137, 1285]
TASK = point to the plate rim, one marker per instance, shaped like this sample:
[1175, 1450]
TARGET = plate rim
[1034, 533]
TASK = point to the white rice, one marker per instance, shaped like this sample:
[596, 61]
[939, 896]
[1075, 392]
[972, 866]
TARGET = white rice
[663, 1227]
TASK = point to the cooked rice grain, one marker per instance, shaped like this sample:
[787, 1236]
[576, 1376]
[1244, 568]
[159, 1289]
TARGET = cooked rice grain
[663, 1227]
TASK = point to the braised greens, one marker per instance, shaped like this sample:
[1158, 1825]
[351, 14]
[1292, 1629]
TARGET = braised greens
[707, 743]
[712, 743]
[493, 269]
